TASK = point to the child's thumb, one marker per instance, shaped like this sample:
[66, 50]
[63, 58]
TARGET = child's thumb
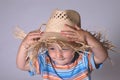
[77, 27]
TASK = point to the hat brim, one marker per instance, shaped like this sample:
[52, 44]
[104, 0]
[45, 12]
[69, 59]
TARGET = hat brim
[53, 36]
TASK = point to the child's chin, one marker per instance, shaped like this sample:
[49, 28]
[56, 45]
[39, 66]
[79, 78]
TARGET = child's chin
[61, 64]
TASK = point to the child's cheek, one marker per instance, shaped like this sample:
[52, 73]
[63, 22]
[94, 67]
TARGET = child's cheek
[52, 55]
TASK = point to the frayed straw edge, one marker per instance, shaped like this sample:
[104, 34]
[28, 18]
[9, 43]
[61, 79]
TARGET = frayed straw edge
[19, 33]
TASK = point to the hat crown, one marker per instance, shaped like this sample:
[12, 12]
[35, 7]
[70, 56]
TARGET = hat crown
[60, 18]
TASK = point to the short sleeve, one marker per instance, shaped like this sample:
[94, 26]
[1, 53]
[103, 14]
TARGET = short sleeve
[92, 62]
[34, 67]
[38, 66]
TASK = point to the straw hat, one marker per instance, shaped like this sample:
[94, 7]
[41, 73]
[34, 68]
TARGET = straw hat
[57, 22]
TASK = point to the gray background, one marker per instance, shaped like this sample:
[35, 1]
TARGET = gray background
[96, 15]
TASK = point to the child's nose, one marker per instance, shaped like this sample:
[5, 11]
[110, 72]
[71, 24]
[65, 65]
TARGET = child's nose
[59, 54]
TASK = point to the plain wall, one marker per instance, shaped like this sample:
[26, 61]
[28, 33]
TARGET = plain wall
[96, 15]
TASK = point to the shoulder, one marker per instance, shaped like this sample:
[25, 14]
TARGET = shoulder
[44, 57]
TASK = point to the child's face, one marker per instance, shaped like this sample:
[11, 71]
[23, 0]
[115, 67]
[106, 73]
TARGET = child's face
[61, 56]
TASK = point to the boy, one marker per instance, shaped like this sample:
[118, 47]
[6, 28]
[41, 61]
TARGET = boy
[67, 52]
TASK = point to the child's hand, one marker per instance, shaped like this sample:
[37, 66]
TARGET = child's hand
[78, 35]
[31, 38]
[74, 33]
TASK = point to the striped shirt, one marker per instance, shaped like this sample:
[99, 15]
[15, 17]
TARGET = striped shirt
[80, 68]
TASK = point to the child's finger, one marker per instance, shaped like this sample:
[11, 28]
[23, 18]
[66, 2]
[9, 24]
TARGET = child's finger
[71, 33]
[70, 27]
[73, 27]
[77, 27]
